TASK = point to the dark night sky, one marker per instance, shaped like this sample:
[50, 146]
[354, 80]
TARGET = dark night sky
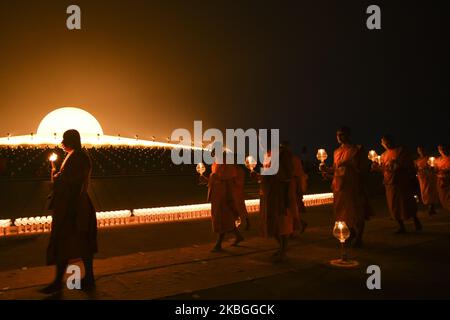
[149, 67]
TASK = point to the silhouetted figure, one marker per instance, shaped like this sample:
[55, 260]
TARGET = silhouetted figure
[350, 200]
[443, 176]
[278, 201]
[74, 225]
[427, 181]
[221, 194]
[399, 175]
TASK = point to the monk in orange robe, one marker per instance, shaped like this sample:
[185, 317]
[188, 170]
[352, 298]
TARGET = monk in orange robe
[223, 203]
[398, 171]
[300, 179]
[443, 176]
[427, 181]
[278, 202]
[239, 195]
[350, 202]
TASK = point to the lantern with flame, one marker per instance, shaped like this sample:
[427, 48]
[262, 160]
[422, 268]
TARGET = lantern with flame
[321, 155]
[431, 161]
[250, 163]
[201, 168]
[342, 233]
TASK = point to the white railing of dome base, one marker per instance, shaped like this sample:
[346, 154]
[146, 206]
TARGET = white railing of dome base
[107, 219]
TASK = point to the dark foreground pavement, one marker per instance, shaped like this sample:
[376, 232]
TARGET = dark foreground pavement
[413, 266]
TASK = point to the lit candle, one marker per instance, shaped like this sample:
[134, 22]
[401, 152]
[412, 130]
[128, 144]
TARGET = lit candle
[250, 163]
[201, 168]
[431, 161]
[321, 155]
[53, 157]
[373, 155]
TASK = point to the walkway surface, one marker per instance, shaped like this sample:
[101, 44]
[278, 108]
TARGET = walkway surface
[413, 265]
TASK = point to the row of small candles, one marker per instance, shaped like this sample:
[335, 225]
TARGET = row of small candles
[142, 216]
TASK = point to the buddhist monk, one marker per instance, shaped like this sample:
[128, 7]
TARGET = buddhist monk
[427, 181]
[278, 202]
[350, 202]
[301, 180]
[443, 176]
[74, 226]
[221, 195]
[399, 176]
[239, 195]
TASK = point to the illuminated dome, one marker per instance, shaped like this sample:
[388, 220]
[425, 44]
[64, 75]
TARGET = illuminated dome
[62, 119]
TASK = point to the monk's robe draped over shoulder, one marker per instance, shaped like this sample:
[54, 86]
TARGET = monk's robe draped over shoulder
[278, 199]
[348, 192]
[427, 182]
[399, 181]
[74, 225]
[221, 194]
[443, 181]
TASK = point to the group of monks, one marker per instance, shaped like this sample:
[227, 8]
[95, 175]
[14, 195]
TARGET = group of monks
[281, 194]
[280, 205]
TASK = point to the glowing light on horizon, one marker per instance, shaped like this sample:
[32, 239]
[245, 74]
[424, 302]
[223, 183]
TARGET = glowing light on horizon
[54, 124]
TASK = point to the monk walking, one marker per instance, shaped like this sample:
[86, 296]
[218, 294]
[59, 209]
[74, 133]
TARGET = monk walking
[74, 225]
[239, 195]
[278, 202]
[398, 171]
[427, 181]
[222, 197]
[350, 201]
[443, 176]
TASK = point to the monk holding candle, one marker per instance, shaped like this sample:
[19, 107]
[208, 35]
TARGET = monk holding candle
[278, 201]
[398, 171]
[350, 202]
[427, 181]
[239, 195]
[74, 223]
[443, 176]
[300, 179]
[221, 194]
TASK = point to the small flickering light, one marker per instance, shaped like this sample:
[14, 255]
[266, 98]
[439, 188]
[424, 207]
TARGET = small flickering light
[379, 160]
[321, 155]
[431, 161]
[53, 157]
[250, 163]
[342, 233]
[201, 168]
[373, 156]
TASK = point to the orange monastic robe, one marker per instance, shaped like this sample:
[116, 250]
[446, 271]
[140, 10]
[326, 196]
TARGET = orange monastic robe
[427, 181]
[239, 194]
[221, 195]
[347, 185]
[278, 199]
[399, 181]
[443, 181]
[300, 179]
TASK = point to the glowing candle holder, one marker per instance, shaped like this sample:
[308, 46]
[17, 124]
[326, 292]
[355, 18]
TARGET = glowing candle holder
[250, 163]
[373, 156]
[431, 161]
[342, 233]
[322, 155]
[201, 168]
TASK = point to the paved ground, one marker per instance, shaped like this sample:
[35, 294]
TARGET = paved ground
[414, 265]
